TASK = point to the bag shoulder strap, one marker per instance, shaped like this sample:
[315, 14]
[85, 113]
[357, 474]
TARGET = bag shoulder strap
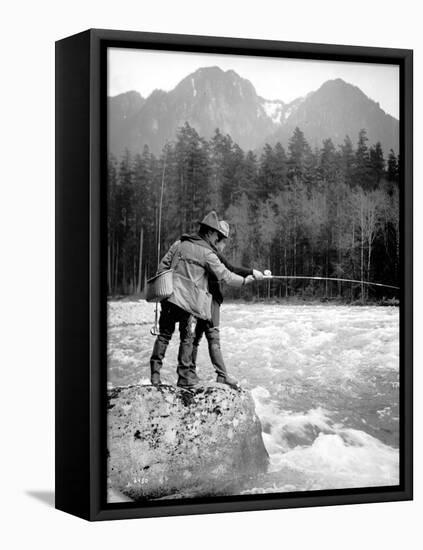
[176, 257]
[192, 261]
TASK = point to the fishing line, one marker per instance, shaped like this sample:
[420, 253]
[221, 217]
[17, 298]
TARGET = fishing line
[268, 275]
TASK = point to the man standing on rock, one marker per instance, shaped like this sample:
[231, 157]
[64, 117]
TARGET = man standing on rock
[210, 327]
[192, 260]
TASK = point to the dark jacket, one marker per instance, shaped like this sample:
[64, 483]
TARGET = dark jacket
[214, 283]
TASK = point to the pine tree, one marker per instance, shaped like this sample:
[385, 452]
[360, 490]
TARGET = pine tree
[191, 156]
[347, 161]
[221, 183]
[300, 158]
[393, 167]
[272, 181]
[233, 185]
[329, 162]
[248, 179]
[377, 164]
[266, 174]
[280, 168]
[362, 172]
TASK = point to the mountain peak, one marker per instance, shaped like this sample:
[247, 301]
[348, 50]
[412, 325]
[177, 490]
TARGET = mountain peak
[210, 98]
[340, 86]
[337, 82]
[218, 85]
[126, 104]
[214, 72]
[206, 72]
[132, 94]
[131, 97]
[157, 93]
[336, 109]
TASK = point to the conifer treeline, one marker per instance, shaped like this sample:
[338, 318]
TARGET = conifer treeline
[332, 212]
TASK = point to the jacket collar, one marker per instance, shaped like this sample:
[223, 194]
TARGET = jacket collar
[196, 239]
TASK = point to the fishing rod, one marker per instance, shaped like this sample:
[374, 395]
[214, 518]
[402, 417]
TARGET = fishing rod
[155, 330]
[268, 275]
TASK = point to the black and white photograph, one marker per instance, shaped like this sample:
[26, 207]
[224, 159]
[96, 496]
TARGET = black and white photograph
[253, 275]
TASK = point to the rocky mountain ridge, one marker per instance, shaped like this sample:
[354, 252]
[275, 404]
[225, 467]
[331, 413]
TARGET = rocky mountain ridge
[211, 98]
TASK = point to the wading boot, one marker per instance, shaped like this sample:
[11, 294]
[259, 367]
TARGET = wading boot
[155, 379]
[228, 381]
[187, 378]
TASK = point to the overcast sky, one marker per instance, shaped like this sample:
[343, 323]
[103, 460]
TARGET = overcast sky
[285, 79]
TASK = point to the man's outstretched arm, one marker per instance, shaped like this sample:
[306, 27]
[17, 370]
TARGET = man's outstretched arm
[240, 270]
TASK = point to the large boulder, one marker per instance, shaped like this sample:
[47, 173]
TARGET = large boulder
[168, 442]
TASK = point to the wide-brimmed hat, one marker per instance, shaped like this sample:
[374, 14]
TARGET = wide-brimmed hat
[224, 229]
[211, 220]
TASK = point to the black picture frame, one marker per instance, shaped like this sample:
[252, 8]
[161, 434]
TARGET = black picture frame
[81, 142]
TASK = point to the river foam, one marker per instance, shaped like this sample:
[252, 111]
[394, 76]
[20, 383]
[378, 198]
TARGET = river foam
[325, 381]
[309, 451]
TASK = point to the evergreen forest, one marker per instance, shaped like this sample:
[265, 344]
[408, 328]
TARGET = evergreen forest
[330, 212]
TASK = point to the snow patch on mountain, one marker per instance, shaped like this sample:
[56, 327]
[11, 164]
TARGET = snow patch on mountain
[274, 110]
[194, 91]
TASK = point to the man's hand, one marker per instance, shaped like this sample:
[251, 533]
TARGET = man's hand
[258, 275]
[248, 279]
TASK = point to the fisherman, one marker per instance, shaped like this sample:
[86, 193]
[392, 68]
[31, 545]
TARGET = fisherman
[210, 327]
[192, 261]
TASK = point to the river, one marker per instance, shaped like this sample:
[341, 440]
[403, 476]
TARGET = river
[324, 378]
